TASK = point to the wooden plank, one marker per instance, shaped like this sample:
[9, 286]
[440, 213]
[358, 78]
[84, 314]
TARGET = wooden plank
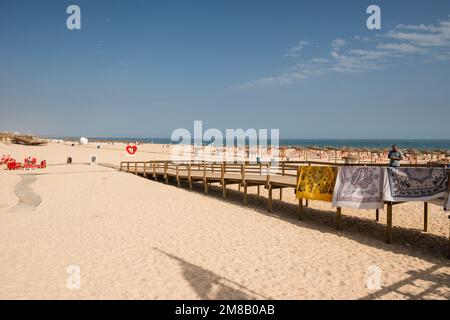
[389, 223]
[377, 215]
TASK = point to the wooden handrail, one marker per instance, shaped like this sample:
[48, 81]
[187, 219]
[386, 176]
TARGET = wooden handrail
[286, 168]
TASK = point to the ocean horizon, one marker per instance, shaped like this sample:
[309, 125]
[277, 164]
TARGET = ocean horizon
[421, 144]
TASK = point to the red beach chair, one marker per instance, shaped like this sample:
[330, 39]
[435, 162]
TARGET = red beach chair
[43, 165]
[29, 166]
[5, 159]
[30, 163]
[13, 165]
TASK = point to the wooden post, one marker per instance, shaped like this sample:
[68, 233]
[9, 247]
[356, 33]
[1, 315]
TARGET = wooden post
[224, 189]
[300, 209]
[338, 218]
[145, 169]
[154, 170]
[165, 172]
[205, 181]
[449, 240]
[245, 193]
[269, 200]
[224, 184]
[448, 172]
[121, 163]
[425, 216]
[128, 167]
[135, 168]
[281, 193]
[307, 202]
[377, 214]
[260, 172]
[177, 175]
[189, 176]
[389, 223]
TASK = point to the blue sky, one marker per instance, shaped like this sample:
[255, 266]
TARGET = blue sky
[144, 68]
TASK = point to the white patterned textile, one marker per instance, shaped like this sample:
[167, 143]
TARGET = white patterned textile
[415, 184]
[359, 187]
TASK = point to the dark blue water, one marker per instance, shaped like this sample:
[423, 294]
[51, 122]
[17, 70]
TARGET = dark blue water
[353, 143]
[369, 143]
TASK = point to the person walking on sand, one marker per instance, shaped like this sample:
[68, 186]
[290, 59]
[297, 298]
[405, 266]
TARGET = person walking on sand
[395, 156]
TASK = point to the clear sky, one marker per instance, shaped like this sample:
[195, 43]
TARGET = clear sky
[144, 68]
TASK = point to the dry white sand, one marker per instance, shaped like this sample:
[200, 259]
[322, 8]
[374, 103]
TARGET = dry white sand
[137, 238]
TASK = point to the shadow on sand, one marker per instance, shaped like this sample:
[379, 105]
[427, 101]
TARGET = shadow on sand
[209, 285]
[407, 241]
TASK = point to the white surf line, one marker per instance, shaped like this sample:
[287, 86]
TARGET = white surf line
[28, 199]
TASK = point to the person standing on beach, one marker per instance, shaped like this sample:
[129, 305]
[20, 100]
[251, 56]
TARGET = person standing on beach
[395, 156]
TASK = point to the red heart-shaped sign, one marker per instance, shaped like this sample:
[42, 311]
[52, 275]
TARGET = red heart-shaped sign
[131, 149]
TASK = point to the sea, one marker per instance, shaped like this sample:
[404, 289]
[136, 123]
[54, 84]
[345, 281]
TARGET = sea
[435, 144]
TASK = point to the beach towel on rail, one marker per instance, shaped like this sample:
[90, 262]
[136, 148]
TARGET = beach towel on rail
[415, 184]
[316, 183]
[359, 188]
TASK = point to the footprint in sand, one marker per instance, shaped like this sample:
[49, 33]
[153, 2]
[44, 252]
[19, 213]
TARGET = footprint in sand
[28, 199]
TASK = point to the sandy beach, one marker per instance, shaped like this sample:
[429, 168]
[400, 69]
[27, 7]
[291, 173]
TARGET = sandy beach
[135, 238]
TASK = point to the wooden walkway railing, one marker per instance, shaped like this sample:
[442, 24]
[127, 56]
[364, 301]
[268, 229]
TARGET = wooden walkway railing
[282, 175]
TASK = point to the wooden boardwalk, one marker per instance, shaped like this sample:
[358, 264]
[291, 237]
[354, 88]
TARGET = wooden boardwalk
[245, 175]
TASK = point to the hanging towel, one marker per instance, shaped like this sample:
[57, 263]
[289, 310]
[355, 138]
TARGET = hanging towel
[415, 184]
[359, 188]
[316, 183]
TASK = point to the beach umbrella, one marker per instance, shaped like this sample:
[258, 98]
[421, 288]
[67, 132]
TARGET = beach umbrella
[442, 151]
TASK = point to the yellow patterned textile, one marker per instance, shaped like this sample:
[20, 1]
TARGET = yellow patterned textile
[316, 183]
